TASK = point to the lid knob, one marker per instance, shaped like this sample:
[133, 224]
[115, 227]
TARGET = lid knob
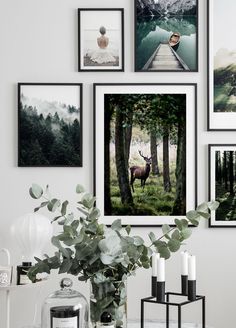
[106, 317]
[66, 283]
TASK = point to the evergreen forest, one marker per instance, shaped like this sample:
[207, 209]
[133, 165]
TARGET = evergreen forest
[225, 175]
[50, 140]
[145, 154]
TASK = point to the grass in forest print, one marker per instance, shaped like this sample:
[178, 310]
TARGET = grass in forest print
[145, 139]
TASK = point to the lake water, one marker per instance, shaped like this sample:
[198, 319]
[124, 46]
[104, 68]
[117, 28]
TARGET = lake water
[152, 32]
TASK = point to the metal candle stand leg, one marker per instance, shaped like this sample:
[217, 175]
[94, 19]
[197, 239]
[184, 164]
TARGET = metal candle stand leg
[169, 303]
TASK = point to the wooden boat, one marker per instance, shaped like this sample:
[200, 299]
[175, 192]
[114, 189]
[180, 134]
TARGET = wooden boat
[174, 40]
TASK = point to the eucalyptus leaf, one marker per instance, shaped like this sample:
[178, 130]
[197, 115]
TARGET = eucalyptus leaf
[152, 236]
[116, 225]
[174, 245]
[64, 207]
[165, 228]
[128, 229]
[36, 191]
[204, 215]
[186, 233]
[138, 241]
[202, 207]
[213, 205]
[79, 189]
[53, 205]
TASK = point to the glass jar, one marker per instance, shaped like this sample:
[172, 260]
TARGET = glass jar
[108, 304]
[65, 308]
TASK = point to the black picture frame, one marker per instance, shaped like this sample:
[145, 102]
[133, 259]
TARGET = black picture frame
[99, 128]
[50, 106]
[101, 68]
[212, 166]
[217, 120]
[185, 69]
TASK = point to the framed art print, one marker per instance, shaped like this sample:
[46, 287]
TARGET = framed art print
[101, 39]
[221, 65]
[222, 177]
[145, 152]
[49, 124]
[166, 36]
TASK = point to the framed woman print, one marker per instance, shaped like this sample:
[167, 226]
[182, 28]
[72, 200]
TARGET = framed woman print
[222, 177]
[101, 39]
[50, 125]
[221, 65]
[166, 36]
[145, 154]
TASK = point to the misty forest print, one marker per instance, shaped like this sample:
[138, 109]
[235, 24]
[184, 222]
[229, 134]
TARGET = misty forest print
[50, 125]
[225, 184]
[145, 154]
[224, 56]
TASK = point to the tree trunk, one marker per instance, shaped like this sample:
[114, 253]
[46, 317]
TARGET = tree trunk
[107, 137]
[128, 137]
[231, 173]
[121, 163]
[153, 146]
[225, 171]
[179, 207]
[166, 166]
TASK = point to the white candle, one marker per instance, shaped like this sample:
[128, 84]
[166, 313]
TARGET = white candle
[155, 257]
[192, 267]
[184, 263]
[161, 269]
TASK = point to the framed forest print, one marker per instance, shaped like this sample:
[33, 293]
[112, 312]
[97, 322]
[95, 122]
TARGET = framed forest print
[145, 152]
[166, 36]
[49, 124]
[221, 65]
[222, 177]
[101, 39]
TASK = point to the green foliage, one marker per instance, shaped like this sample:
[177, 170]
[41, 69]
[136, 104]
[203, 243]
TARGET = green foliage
[107, 257]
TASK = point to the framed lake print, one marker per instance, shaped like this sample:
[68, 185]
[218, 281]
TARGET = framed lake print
[101, 39]
[145, 152]
[166, 36]
[222, 177]
[49, 124]
[221, 65]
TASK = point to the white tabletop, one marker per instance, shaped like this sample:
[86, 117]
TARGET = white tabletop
[162, 324]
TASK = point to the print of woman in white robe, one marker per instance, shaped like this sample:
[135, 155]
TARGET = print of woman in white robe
[102, 55]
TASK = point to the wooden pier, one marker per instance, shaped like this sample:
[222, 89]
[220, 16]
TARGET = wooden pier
[165, 58]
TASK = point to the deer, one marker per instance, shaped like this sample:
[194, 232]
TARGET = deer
[140, 172]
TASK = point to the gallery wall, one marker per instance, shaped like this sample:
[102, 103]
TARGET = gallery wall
[39, 44]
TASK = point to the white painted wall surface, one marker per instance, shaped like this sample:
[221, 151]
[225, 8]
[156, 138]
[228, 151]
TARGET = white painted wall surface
[38, 43]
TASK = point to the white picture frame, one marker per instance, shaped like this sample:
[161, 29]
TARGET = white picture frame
[100, 90]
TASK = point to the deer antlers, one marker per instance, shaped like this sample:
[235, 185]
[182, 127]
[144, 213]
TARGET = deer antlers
[145, 158]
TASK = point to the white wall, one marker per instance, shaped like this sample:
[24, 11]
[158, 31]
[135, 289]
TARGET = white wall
[38, 42]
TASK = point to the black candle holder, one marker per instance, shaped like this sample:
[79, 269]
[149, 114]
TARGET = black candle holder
[160, 291]
[169, 303]
[154, 286]
[184, 285]
[192, 290]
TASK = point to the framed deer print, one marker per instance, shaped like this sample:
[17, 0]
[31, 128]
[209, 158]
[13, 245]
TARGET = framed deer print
[222, 177]
[221, 66]
[145, 152]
